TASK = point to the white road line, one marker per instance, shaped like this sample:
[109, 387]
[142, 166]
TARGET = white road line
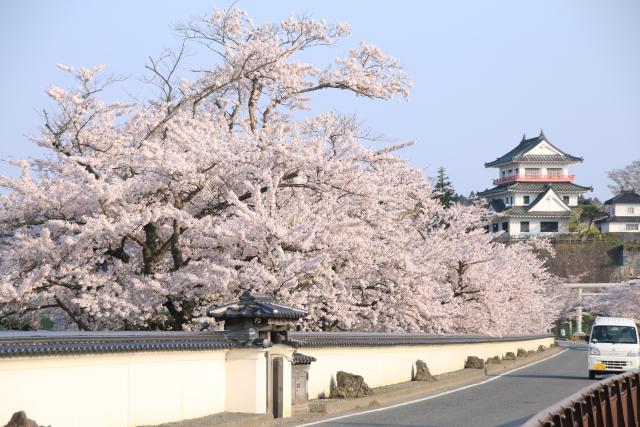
[444, 393]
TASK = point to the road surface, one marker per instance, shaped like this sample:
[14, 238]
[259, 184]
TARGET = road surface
[508, 401]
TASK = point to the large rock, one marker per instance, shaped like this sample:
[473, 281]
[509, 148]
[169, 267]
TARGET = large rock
[542, 348]
[19, 419]
[510, 356]
[349, 385]
[422, 372]
[474, 362]
[493, 360]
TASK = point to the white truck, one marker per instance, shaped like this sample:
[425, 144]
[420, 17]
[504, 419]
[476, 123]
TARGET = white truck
[613, 346]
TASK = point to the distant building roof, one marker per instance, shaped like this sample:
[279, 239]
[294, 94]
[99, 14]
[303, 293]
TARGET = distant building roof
[535, 187]
[627, 196]
[519, 154]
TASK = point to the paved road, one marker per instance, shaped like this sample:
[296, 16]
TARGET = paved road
[508, 401]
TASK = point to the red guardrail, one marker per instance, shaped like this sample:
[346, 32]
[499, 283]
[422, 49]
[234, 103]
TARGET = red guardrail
[613, 402]
[534, 178]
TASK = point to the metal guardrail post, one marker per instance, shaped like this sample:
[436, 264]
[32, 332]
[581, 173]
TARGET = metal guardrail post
[613, 402]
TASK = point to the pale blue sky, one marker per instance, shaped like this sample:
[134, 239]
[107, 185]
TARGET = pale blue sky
[484, 71]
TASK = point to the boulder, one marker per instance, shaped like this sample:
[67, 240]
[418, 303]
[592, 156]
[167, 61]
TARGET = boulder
[474, 362]
[493, 360]
[422, 372]
[349, 385]
[542, 348]
[510, 356]
[521, 352]
[19, 419]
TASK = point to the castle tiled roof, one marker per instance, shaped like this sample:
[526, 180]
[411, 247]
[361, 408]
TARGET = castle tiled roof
[526, 212]
[497, 205]
[523, 212]
[535, 187]
[519, 154]
[627, 196]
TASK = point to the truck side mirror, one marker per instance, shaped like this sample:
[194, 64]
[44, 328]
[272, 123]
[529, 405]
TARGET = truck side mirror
[586, 338]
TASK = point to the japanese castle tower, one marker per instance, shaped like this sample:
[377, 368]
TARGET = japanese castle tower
[534, 191]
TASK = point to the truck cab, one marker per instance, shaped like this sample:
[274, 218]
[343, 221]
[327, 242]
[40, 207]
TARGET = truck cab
[613, 346]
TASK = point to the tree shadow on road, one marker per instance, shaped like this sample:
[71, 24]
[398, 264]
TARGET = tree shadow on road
[548, 376]
[516, 423]
[368, 423]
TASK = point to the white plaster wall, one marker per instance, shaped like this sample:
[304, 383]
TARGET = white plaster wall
[519, 198]
[393, 364]
[113, 390]
[245, 368]
[543, 148]
[550, 203]
[622, 209]
[617, 227]
[534, 226]
[573, 200]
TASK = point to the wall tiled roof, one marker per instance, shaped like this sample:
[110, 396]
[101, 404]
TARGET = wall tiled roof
[369, 339]
[255, 306]
[44, 343]
[302, 359]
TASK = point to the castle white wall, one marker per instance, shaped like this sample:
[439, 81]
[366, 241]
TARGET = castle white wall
[534, 226]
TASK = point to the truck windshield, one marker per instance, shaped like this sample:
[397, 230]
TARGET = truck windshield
[614, 334]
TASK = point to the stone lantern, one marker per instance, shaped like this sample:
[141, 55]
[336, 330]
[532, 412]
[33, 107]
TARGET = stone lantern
[256, 319]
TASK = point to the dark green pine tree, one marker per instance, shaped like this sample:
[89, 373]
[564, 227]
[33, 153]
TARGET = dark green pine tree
[444, 189]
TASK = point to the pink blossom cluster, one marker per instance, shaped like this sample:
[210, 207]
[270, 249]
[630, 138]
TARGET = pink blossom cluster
[144, 214]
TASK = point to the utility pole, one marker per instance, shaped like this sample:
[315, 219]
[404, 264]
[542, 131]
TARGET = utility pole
[579, 312]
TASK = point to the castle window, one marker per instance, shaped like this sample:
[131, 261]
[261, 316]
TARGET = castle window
[524, 226]
[554, 172]
[549, 226]
[505, 226]
[565, 199]
[525, 200]
[630, 210]
[495, 228]
[631, 227]
[531, 173]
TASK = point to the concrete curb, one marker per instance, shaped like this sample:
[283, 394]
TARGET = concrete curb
[224, 419]
[315, 410]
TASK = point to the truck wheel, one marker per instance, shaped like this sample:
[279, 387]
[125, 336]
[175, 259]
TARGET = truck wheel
[592, 375]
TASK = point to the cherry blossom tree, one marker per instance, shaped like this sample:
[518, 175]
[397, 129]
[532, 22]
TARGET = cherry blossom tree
[621, 301]
[626, 178]
[146, 213]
